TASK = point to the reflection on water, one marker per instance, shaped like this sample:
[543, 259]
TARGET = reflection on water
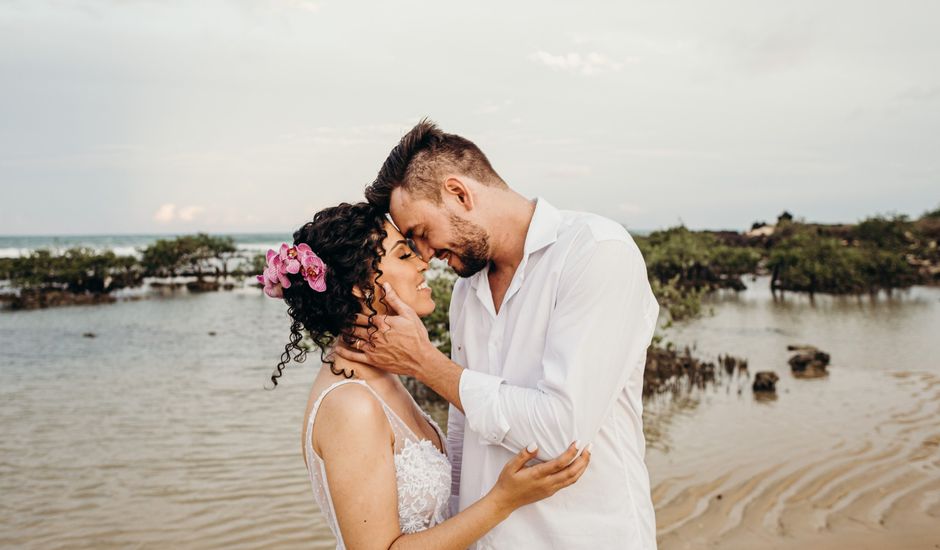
[660, 412]
[884, 332]
[156, 433]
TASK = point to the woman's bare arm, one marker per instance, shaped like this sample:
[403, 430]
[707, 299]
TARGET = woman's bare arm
[356, 443]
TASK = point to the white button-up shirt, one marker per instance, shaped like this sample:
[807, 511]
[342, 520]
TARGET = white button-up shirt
[562, 361]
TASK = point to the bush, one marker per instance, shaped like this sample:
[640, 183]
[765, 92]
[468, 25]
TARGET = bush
[680, 303]
[76, 270]
[6, 268]
[810, 263]
[891, 233]
[188, 255]
[251, 266]
[697, 260]
[441, 280]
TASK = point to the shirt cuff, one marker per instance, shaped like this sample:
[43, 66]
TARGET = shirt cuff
[479, 395]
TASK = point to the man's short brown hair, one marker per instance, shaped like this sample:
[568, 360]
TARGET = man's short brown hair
[421, 160]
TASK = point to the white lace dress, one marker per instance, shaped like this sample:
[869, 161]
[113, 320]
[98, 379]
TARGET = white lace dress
[421, 470]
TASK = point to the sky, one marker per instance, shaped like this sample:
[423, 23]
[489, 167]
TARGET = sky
[153, 116]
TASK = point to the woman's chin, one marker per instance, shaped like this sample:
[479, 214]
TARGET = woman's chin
[425, 308]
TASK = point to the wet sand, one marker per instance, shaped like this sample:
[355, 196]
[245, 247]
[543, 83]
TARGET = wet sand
[872, 484]
[847, 461]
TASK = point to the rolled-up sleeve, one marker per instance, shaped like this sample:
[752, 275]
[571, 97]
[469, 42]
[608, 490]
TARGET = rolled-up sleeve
[602, 323]
[479, 394]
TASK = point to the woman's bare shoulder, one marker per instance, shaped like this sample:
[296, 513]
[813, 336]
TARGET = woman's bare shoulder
[350, 415]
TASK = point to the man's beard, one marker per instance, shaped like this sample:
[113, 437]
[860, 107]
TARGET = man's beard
[471, 247]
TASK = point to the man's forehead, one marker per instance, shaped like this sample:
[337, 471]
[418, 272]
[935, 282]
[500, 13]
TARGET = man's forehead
[405, 210]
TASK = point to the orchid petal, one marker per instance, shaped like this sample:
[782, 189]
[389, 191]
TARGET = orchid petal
[274, 291]
[318, 284]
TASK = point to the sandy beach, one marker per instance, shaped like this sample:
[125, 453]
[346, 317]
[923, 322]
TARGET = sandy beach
[878, 488]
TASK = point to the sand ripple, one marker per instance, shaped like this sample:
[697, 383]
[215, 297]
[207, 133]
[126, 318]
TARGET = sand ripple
[873, 483]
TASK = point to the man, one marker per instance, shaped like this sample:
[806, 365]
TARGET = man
[549, 322]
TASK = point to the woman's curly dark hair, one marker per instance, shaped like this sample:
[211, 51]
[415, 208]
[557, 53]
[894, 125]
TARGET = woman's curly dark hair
[348, 238]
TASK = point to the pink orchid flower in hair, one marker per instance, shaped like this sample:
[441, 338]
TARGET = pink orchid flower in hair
[312, 268]
[274, 277]
[289, 260]
[289, 257]
[273, 290]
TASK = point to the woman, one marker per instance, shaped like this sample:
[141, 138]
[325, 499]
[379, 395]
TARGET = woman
[377, 464]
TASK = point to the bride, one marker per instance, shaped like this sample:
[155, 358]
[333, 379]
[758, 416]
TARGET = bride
[378, 464]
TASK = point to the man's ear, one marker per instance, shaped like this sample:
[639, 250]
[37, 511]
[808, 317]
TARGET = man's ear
[458, 189]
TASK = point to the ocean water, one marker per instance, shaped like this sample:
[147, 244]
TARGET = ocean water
[15, 246]
[153, 433]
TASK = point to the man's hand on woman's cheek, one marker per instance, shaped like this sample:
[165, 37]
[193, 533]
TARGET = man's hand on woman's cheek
[396, 343]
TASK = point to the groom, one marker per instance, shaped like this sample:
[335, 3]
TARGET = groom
[549, 323]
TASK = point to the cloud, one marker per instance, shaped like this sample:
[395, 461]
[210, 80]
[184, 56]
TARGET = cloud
[589, 64]
[169, 212]
[165, 213]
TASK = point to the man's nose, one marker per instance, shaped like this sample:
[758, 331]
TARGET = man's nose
[426, 251]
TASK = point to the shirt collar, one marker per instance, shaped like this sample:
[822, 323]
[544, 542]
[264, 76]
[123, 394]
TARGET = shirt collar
[543, 228]
[543, 231]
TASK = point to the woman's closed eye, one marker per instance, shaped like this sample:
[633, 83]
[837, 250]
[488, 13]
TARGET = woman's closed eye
[407, 249]
[413, 247]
